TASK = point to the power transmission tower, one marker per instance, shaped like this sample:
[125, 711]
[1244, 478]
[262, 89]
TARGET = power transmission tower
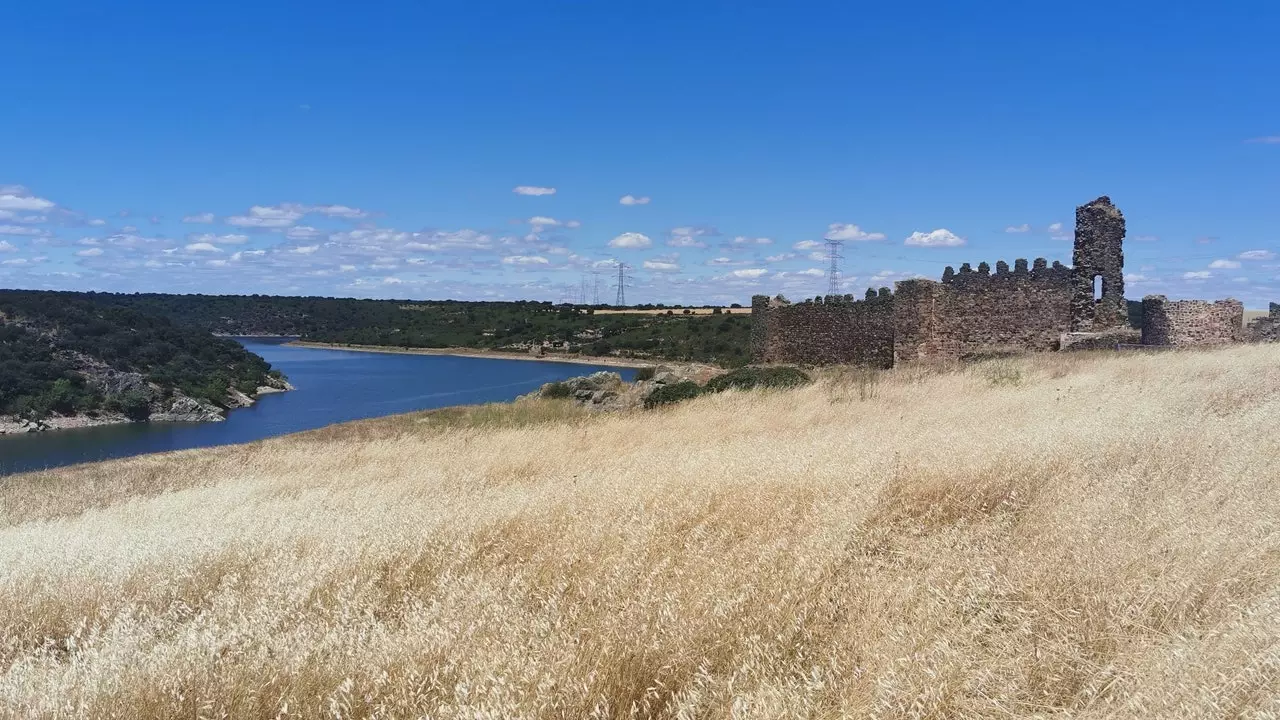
[595, 276]
[833, 271]
[582, 291]
[622, 283]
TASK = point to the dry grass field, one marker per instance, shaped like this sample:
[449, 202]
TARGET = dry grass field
[1075, 536]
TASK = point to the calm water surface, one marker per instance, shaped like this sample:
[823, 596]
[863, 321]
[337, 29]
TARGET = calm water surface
[332, 386]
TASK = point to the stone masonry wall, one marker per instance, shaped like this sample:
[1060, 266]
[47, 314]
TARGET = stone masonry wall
[1098, 253]
[1267, 328]
[969, 311]
[836, 331]
[1190, 322]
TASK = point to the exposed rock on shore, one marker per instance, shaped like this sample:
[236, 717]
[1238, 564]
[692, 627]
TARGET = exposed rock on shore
[607, 391]
[176, 407]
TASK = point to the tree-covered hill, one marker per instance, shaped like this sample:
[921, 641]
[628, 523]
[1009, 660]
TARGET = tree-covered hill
[73, 353]
[511, 326]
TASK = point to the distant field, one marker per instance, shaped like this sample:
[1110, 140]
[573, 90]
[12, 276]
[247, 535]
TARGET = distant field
[675, 311]
[1083, 536]
[1254, 314]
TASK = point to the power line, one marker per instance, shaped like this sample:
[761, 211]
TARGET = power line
[623, 278]
[833, 272]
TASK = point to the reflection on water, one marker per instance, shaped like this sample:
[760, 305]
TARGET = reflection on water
[332, 386]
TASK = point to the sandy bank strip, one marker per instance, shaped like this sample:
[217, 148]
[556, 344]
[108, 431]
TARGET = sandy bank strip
[486, 354]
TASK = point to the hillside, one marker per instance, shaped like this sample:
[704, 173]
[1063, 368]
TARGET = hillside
[510, 326]
[1078, 535]
[65, 357]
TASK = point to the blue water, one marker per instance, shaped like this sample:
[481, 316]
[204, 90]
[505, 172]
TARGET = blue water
[332, 386]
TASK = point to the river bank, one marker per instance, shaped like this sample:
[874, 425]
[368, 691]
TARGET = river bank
[181, 409]
[700, 372]
[489, 354]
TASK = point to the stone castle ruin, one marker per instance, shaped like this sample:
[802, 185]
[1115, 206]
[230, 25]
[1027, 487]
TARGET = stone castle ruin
[975, 311]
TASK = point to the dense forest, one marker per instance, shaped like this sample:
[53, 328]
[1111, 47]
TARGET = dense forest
[513, 326]
[67, 353]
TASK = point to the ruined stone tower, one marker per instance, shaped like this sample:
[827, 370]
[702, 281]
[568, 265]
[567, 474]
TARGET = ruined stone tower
[1098, 258]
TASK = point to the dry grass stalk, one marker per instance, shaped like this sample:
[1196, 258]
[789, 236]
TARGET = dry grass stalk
[1100, 538]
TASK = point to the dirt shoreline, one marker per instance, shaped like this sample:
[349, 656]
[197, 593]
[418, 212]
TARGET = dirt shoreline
[488, 354]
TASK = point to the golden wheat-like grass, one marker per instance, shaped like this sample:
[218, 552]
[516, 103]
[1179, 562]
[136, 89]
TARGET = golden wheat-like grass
[1076, 535]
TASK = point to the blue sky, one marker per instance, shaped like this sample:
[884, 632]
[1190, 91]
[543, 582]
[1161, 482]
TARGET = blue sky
[376, 149]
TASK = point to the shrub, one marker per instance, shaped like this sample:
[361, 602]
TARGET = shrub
[646, 373]
[1002, 372]
[753, 377]
[555, 390]
[675, 393]
[132, 404]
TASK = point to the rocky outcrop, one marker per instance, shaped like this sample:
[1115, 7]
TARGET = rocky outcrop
[607, 391]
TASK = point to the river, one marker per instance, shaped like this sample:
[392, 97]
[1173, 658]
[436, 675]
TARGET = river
[332, 386]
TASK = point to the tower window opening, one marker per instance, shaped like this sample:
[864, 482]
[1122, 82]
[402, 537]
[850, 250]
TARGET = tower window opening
[1097, 287]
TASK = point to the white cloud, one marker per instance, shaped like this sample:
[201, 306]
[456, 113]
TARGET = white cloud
[807, 245]
[539, 222]
[818, 256]
[744, 240]
[346, 268]
[269, 216]
[197, 247]
[811, 272]
[1135, 278]
[1056, 232]
[6, 246]
[1018, 228]
[843, 231]
[88, 241]
[533, 190]
[201, 218]
[90, 252]
[720, 261]
[687, 236]
[303, 232]
[661, 266]
[525, 260]
[97, 222]
[391, 281]
[631, 240]
[230, 239]
[305, 249]
[783, 257]
[573, 223]
[941, 237]
[1197, 275]
[633, 200]
[1256, 255]
[16, 197]
[751, 273]
[1224, 265]
[340, 211]
[23, 230]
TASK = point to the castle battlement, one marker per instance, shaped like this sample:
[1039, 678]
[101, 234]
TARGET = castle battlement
[1031, 306]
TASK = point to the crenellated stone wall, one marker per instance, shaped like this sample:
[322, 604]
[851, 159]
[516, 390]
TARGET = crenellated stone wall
[974, 310]
[837, 330]
[1181, 323]
[1041, 307]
